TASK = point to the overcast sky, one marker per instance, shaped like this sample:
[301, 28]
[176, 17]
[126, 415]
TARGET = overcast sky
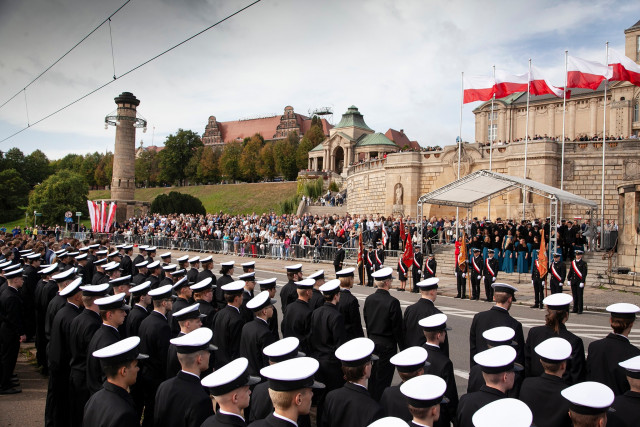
[398, 61]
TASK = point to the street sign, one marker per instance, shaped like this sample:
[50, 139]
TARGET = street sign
[69, 219]
[68, 214]
[78, 213]
[38, 214]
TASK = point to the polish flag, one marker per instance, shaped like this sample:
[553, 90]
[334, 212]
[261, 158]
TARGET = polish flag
[506, 84]
[586, 74]
[477, 88]
[624, 69]
[540, 86]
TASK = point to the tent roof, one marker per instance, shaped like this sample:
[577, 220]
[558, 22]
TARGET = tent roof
[479, 186]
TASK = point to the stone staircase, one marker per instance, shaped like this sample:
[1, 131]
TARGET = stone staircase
[323, 210]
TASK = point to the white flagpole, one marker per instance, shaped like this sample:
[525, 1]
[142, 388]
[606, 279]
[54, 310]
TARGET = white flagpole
[604, 144]
[564, 111]
[491, 138]
[526, 144]
[459, 149]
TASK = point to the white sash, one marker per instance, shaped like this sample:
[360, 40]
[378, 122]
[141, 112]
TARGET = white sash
[555, 273]
[401, 265]
[378, 259]
[369, 259]
[416, 263]
[475, 266]
[489, 268]
[430, 270]
[576, 269]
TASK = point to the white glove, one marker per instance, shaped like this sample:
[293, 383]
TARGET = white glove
[582, 285]
[479, 277]
[543, 283]
[464, 275]
[493, 280]
[483, 278]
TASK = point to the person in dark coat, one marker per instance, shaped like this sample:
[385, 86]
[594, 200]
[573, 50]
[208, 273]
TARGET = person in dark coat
[605, 354]
[461, 280]
[538, 283]
[317, 300]
[140, 300]
[63, 279]
[126, 264]
[203, 295]
[112, 406]
[338, 259]
[181, 400]
[189, 319]
[140, 258]
[589, 403]
[81, 268]
[538, 392]
[12, 331]
[409, 363]
[297, 322]
[383, 320]
[83, 327]
[57, 409]
[288, 293]
[229, 386]
[255, 334]
[577, 277]
[379, 256]
[416, 267]
[555, 319]
[411, 331]
[424, 396]
[155, 334]
[369, 263]
[46, 290]
[477, 270]
[627, 405]
[207, 265]
[99, 277]
[249, 280]
[154, 269]
[430, 266]
[226, 271]
[557, 274]
[183, 296]
[151, 254]
[192, 274]
[142, 273]
[348, 305]
[228, 323]
[490, 274]
[167, 274]
[27, 292]
[351, 405]
[270, 285]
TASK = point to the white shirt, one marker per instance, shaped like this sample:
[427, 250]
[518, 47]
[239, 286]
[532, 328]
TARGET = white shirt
[231, 413]
[285, 419]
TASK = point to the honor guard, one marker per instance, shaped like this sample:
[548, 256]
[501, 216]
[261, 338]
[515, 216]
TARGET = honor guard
[369, 263]
[338, 259]
[81, 266]
[498, 369]
[490, 271]
[537, 281]
[207, 266]
[589, 403]
[461, 279]
[183, 262]
[627, 405]
[477, 270]
[494, 337]
[12, 331]
[424, 307]
[430, 266]
[155, 334]
[229, 386]
[181, 400]
[122, 285]
[537, 392]
[63, 279]
[605, 354]
[348, 304]
[127, 264]
[379, 256]
[228, 323]
[248, 267]
[416, 267]
[410, 363]
[142, 273]
[142, 251]
[383, 320]
[403, 273]
[288, 293]
[189, 319]
[297, 322]
[577, 277]
[557, 274]
[192, 275]
[151, 253]
[270, 285]
[167, 277]
[317, 300]
[557, 315]
[183, 293]
[154, 274]
[203, 295]
[498, 315]
[249, 280]
[226, 270]
[255, 334]
[46, 290]
[165, 260]
[112, 406]
[435, 331]
[351, 405]
[424, 395]
[504, 412]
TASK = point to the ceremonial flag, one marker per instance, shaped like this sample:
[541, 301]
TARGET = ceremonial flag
[624, 69]
[586, 74]
[96, 207]
[385, 236]
[539, 85]
[360, 249]
[92, 214]
[542, 256]
[407, 256]
[477, 88]
[507, 84]
[402, 233]
[462, 257]
[112, 215]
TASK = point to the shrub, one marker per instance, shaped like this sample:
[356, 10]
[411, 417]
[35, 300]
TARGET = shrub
[176, 202]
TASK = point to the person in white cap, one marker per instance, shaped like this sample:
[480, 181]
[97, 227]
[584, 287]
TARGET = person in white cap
[207, 266]
[189, 319]
[140, 300]
[389, 422]
[192, 274]
[490, 273]
[46, 290]
[352, 405]
[317, 300]
[183, 262]
[557, 315]
[256, 334]
[424, 307]
[538, 391]
[425, 395]
[589, 403]
[183, 295]
[98, 275]
[500, 335]
[127, 264]
[249, 280]
[30, 278]
[12, 331]
[507, 412]
[229, 386]
[297, 321]
[348, 305]
[228, 323]
[270, 285]
[409, 363]
[605, 354]
[291, 385]
[181, 400]
[154, 269]
[577, 277]
[63, 279]
[288, 293]
[142, 251]
[141, 273]
[627, 405]
[226, 272]
[151, 253]
[203, 295]
[383, 320]
[112, 406]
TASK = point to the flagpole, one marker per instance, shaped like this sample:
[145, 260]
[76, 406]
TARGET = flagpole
[459, 149]
[526, 144]
[604, 144]
[564, 112]
[491, 138]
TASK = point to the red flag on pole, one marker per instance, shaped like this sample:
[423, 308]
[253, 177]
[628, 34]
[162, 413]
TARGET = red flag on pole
[402, 233]
[542, 256]
[407, 256]
[360, 249]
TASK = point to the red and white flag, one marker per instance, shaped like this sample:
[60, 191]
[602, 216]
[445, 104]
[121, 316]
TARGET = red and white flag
[540, 86]
[111, 217]
[586, 74]
[507, 84]
[624, 69]
[477, 88]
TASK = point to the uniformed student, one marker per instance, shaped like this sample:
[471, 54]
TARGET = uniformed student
[112, 311]
[98, 275]
[189, 319]
[490, 274]
[498, 369]
[555, 319]
[122, 285]
[140, 300]
[81, 266]
[348, 305]
[338, 259]
[127, 264]
[352, 405]
[416, 267]
[166, 276]
[203, 295]
[63, 279]
[165, 260]
[461, 279]
[207, 265]
[151, 253]
[226, 272]
[409, 363]
[192, 274]
[538, 281]
[430, 266]
[142, 251]
[369, 263]
[297, 322]
[181, 400]
[229, 386]
[627, 405]
[605, 354]
[155, 334]
[577, 277]
[255, 334]
[27, 292]
[83, 327]
[248, 267]
[154, 269]
[291, 385]
[141, 273]
[270, 285]
[537, 392]
[183, 295]
[411, 331]
[57, 409]
[228, 323]
[557, 274]
[288, 293]
[46, 290]
[424, 395]
[477, 269]
[112, 271]
[12, 331]
[112, 406]
[383, 320]
[183, 262]
[435, 331]
[249, 280]
[317, 300]
[589, 403]
[508, 411]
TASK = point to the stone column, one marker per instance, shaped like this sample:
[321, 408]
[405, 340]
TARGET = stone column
[124, 171]
[551, 111]
[502, 125]
[532, 121]
[484, 127]
[593, 116]
[571, 131]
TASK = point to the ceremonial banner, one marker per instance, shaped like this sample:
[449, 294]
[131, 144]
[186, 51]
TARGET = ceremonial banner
[624, 69]
[507, 84]
[540, 86]
[477, 88]
[586, 74]
[542, 256]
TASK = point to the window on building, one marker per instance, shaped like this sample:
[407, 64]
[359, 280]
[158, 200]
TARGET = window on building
[493, 131]
[637, 48]
[636, 110]
[495, 116]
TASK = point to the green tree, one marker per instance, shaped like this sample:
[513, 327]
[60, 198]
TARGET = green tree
[267, 162]
[191, 170]
[209, 165]
[14, 194]
[174, 158]
[63, 191]
[250, 158]
[147, 168]
[89, 165]
[104, 170]
[285, 156]
[179, 203]
[230, 161]
[72, 162]
[36, 168]
[14, 159]
[302, 153]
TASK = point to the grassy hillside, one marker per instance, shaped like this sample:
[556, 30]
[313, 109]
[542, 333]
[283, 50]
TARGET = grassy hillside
[228, 198]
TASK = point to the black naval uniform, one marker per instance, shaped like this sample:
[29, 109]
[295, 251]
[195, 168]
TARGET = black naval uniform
[104, 336]
[577, 274]
[126, 265]
[338, 259]
[477, 267]
[111, 407]
[208, 310]
[394, 403]
[383, 319]
[204, 274]
[349, 307]
[350, 406]
[137, 260]
[542, 396]
[272, 421]
[139, 279]
[627, 408]
[441, 366]
[255, 337]
[247, 315]
[430, 268]
[492, 318]
[490, 275]
[218, 293]
[538, 285]
[471, 402]
[262, 408]
[192, 275]
[45, 292]
[182, 401]
[98, 278]
[297, 323]
[224, 420]
[55, 305]
[173, 364]
[227, 331]
[11, 329]
[603, 359]
[137, 314]
[557, 276]
[317, 300]
[27, 291]
[178, 305]
[379, 258]
[461, 281]
[288, 294]
[411, 331]
[416, 269]
[89, 268]
[369, 263]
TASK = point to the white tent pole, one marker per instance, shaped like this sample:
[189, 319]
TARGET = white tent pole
[491, 138]
[604, 144]
[564, 111]
[526, 144]
[459, 149]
